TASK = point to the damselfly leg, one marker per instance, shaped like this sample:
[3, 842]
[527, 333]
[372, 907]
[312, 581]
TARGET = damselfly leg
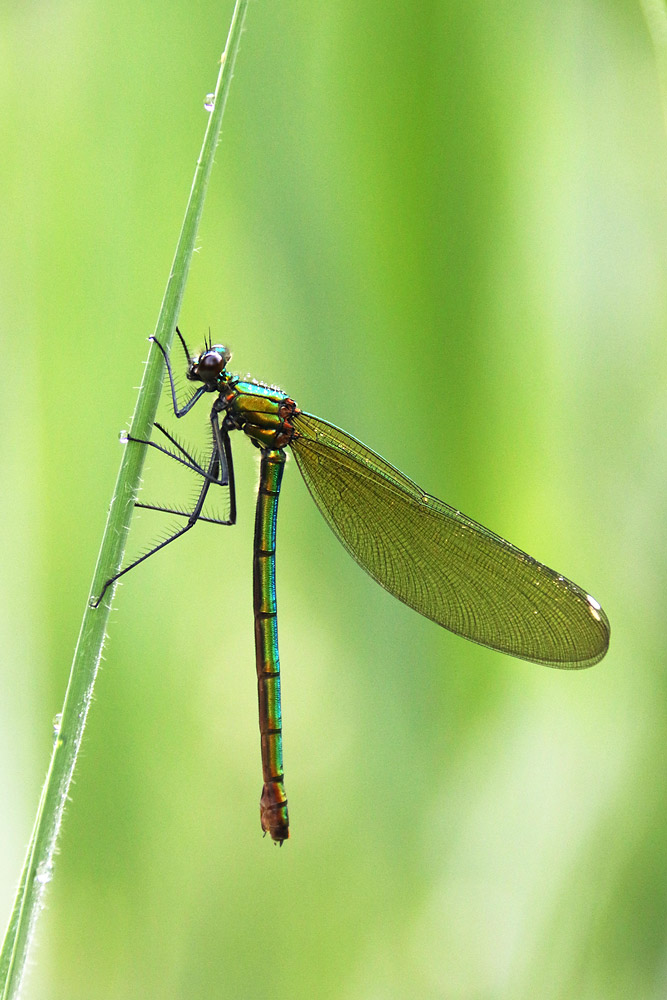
[219, 471]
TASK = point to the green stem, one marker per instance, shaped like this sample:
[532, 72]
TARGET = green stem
[38, 866]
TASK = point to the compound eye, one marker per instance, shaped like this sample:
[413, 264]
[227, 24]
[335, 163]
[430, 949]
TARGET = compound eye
[210, 366]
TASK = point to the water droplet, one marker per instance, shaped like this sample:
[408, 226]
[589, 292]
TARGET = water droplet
[123, 437]
[44, 872]
[57, 720]
[209, 102]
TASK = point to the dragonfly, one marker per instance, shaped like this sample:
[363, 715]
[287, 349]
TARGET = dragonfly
[430, 556]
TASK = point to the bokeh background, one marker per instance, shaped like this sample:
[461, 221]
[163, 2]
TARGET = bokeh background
[440, 226]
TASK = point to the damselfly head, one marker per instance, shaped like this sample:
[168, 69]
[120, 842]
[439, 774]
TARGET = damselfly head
[209, 366]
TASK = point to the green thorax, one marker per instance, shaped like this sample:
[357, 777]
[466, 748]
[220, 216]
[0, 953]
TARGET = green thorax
[262, 411]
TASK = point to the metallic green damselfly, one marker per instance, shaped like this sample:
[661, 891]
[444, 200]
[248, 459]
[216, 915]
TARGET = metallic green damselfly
[433, 558]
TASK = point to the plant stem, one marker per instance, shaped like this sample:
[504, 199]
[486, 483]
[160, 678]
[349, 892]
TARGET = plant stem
[38, 866]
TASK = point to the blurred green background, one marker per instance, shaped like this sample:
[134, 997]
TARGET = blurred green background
[444, 228]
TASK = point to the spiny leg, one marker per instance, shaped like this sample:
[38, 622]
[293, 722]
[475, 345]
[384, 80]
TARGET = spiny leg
[221, 446]
[185, 346]
[210, 477]
[179, 411]
[188, 460]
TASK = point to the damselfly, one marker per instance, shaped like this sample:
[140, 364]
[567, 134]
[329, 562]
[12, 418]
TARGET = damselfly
[433, 558]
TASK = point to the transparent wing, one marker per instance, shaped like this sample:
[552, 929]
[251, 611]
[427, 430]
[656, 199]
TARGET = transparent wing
[441, 563]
